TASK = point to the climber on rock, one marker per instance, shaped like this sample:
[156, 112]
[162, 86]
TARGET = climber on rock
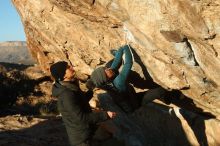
[116, 83]
[73, 105]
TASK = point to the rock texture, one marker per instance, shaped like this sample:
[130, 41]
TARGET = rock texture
[178, 42]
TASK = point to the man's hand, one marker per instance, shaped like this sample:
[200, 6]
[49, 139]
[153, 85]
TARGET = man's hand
[111, 114]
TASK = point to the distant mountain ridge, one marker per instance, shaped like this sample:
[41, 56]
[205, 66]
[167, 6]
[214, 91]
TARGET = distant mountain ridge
[13, 43]
[15, 52]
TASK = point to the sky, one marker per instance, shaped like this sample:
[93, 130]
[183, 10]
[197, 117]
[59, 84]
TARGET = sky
[11, 28]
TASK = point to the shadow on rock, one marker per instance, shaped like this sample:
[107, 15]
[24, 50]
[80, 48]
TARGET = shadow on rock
[149, 125]
[194, 116]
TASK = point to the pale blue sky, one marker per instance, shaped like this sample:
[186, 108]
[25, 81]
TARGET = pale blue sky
[11, 28]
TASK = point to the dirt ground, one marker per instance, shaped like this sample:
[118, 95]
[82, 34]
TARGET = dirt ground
[17, 130]
[30, 116]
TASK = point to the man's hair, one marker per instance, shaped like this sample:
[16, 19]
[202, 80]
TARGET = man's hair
[98, 77]
[58, 70]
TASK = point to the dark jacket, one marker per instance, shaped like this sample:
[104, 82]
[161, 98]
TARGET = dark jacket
[76, 112]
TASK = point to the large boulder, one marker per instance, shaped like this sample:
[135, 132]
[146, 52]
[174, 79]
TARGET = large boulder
[176, 41]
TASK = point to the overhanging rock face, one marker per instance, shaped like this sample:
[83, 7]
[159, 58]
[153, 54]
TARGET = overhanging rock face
[178, 42]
